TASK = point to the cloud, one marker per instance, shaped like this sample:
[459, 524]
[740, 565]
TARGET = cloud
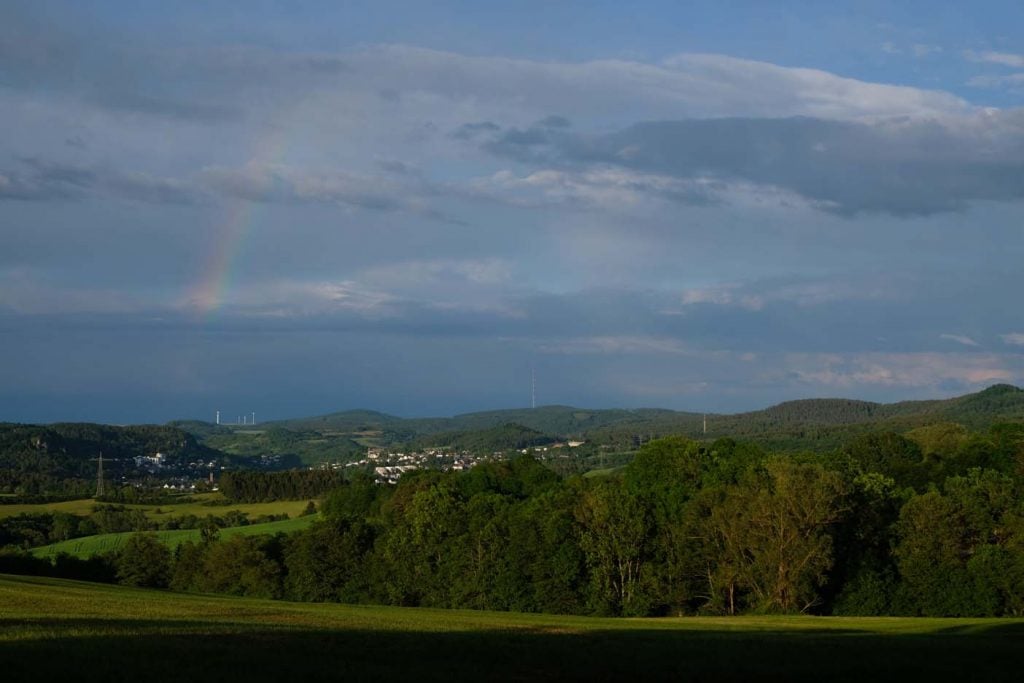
[922, 50]
[607, 188]
[907, 370]
[1010, 81]
[990, 57]
[622, 344]
[959, 339]
[468, 131]
[722, 295]
[211, 86]
[1015, 338]
[39, 180]
[902, 167]
[277, 183]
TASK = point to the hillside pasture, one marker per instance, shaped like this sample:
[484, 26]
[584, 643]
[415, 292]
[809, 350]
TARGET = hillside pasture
[201, 505]
[51, 629]
[87, 546]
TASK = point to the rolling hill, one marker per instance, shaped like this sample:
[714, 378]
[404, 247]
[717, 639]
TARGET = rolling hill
[806, 423]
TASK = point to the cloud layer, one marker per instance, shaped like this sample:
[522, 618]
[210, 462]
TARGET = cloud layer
[393, 226]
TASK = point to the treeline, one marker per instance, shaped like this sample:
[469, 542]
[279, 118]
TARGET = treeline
[247, 486]
[31, 530]
[888, 525]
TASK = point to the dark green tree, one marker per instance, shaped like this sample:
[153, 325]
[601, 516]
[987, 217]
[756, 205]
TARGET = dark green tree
[144, 561]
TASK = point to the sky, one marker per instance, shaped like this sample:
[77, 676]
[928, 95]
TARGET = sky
[293, 208]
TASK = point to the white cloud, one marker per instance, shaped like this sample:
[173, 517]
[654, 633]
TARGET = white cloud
[907, 370]
[1015, 338]
[959, 339]
[990, 57]
[722, 295]
[1011, 81]
[626, 344]
[808, 293]
[284, 298]
[415, 274]
[921, 50]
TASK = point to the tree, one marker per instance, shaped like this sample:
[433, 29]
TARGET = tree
[614, 535]
[328, 562]
[188, 565]
[772, 533]
[144, 561]
[931, 553]
[892, 455]
[665, 475]
[239, 566]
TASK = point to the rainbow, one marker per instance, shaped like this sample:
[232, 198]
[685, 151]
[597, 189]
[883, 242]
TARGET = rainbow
[209, 293]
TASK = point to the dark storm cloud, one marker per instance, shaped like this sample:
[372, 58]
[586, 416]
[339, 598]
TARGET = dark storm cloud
[39, 180]
[903, 167]
[142, 103]
[469, 131]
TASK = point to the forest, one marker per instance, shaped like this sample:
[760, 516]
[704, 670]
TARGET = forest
[930, 523]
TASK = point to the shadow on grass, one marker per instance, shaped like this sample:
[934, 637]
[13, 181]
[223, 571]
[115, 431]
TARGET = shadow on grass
[251, 653]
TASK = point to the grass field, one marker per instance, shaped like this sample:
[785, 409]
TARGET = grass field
[603, 472]
[52, 629]
[158, 512]
[88, 546]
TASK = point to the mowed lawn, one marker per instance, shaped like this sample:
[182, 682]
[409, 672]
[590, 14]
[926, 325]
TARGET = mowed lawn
[54, 629]
[161, 512]
[87, 546]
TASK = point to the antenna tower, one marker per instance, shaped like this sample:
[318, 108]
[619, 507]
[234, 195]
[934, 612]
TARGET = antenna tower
[99, 476]
[533, 387]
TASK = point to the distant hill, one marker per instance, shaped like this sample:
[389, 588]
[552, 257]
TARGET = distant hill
[502, 438]
[802, 424]
[561, 421]
[32, 457]
[344, 421]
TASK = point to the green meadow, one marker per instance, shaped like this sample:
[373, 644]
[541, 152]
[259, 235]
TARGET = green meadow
[202, 504]
[51, 628]
[88, 546]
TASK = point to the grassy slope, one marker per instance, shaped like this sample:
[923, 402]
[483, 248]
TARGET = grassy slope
[88, 546]
[51, 629]
[84, 507]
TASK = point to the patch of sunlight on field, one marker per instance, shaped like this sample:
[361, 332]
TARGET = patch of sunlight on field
[88, 546]
[202, 504]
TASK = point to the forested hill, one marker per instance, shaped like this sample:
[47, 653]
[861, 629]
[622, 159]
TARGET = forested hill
[553, 420]
[34, 457]
[996, 403]
[492, 439]
[808, 423]
[64, 451]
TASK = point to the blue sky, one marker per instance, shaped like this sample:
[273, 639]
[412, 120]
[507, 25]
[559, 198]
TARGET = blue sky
[294, 208]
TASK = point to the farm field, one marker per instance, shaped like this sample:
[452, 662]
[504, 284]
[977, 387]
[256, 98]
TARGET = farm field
[87, 546]
[159, 512]
[52, 628]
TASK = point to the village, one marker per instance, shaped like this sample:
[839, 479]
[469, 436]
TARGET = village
[389, 466]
